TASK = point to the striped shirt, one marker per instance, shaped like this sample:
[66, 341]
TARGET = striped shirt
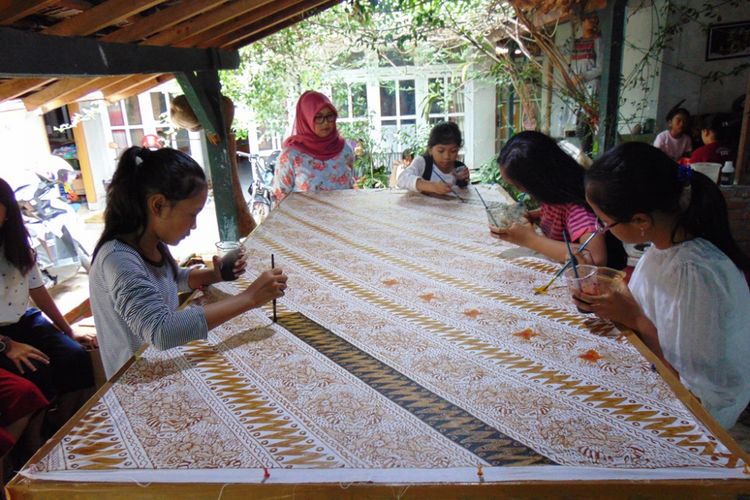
[135, 302]
[575, 218]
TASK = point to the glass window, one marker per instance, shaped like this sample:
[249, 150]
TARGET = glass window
[359, 100]
[121, 141]
[115, 115]
[340, 100]
[388, 98]
[435, 96]
[136, 135]
[406, 97]
[182, 140]
[158, 106]
[133, 111]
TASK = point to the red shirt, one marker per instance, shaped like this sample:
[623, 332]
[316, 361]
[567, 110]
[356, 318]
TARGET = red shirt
[715, 152]
[575, 218]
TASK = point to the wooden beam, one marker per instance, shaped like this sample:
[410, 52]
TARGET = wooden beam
[85, 23]
[53, 95]
[203, 92]
[180, 35]
[142, 86]
[280, 25]
[109, 13]
[13, 10]
[174, 35]
[29, 53]
[79, 136]
[239, 22]
[742, 169]
[613, 36]
[162, 20]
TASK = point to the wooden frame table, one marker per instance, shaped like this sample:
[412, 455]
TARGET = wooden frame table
[410, 358]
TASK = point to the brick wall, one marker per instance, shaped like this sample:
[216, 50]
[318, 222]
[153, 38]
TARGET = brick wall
[738, 204]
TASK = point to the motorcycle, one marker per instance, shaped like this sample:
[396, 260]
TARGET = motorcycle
[48, 220]
[261, 197]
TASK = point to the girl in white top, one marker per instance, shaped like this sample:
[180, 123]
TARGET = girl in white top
[442, 152]
[688, 298]
[676, 141]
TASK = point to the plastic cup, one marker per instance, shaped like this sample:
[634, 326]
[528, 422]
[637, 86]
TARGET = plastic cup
[593, 280]
[504, 215]
[229, 251]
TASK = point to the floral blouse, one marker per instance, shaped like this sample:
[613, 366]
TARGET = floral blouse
[300, 172]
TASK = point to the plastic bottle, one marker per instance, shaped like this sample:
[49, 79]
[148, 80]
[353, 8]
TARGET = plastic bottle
[727, 173]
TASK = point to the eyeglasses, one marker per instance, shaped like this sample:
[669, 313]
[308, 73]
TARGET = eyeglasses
[325, 118]
[602, 228]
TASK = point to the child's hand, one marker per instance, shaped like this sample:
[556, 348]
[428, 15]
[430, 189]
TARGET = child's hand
[22, 354]
[617, 304]
[438, 187]
[268, 286]
[517, 233]
[462, 174]
[238, 269]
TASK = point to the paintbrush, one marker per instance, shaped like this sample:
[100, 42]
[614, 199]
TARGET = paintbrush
[273, 264]
[494, 222]
[543, 289]
[453, 190]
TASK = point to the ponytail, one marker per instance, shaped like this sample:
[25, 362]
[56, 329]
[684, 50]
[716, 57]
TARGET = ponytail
[141, 173]
[638, 178]
[706, 217]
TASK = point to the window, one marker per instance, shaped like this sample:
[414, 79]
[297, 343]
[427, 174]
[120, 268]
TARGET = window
[445, 100]
[126, 124]
[398, 111]
[132, 118]
[351, 102]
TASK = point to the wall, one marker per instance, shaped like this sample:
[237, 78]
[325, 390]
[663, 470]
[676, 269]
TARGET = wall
[738, 204]
[688, 51]
[23, 140]
[640, 89]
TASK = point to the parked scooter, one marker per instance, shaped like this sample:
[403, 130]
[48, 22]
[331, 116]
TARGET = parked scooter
[48, 220]
[261, 198]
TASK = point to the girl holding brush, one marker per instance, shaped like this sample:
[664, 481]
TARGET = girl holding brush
[438, 171]
[153, 201]
[688, 298]
[533, 163]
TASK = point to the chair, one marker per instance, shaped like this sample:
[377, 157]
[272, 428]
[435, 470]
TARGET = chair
[710, 170]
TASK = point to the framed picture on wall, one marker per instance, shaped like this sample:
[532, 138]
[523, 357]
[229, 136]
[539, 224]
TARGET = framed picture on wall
[728, 40]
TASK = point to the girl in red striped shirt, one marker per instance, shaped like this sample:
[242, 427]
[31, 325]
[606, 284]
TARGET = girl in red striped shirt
[534, 163]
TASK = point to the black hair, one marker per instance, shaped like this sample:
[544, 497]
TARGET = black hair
[407, 154]
[141, 173]
[678, 111]
[445, 133]
[542, 168]
[639, 178]
[718, 123]
[535, 161]
[14, 238]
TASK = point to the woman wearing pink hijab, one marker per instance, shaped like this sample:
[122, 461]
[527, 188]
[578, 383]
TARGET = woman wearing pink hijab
[315, 157]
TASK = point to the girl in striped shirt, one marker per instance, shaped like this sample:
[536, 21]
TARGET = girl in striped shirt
[532, 162]
[153, 201]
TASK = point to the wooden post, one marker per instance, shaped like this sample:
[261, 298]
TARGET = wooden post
[742, 172]
[79, 137]
[203, 92]
[613, 35]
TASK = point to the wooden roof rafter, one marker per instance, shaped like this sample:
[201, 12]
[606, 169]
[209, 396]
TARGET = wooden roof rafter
[187, 24]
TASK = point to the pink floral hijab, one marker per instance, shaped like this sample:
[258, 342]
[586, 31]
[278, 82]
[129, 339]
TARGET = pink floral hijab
[303, 137]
